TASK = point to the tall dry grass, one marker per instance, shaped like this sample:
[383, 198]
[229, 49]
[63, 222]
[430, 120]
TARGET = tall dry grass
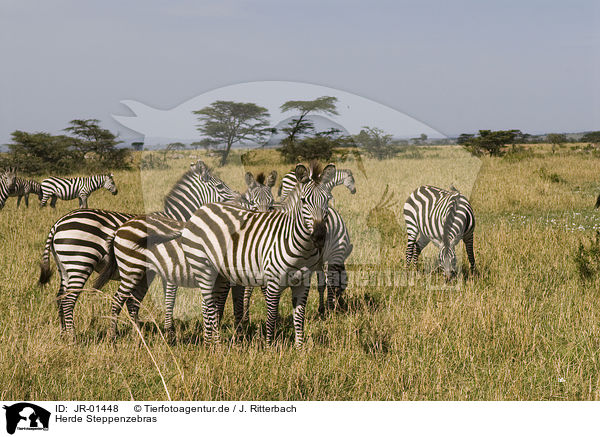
[525, 329]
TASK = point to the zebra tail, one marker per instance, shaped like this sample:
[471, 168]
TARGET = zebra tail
[111, 264]
[598, 201]
[45, 269]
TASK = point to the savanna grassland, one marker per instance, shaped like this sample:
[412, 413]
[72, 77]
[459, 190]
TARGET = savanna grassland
[526, 328]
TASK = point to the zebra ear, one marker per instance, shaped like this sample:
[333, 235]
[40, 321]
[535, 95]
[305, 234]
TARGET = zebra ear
[272, 179]
[110, 176]
[328, 174]
[301, 173]
[201, 169]
[250, 181]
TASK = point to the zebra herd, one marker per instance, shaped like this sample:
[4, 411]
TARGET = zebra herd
[52, 188]
[215, 239]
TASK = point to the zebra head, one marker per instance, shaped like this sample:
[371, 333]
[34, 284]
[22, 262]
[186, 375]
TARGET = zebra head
[448, 261]
[259, 194]
[447, 252]
[201, 169]
[109, 184]
[314, 193]
[348, 180]
[9, 176]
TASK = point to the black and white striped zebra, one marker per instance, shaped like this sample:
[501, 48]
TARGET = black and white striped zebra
[79, 239]
[443, 217]
[342, 176]
[138, 264]
[69, 188]
[25, 187]
[226, 244]
[7, 182]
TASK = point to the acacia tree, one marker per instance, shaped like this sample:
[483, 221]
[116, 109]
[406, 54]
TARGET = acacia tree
[556, 140]
[92, 138]
[376, 142]
[490, 141]
[300, 125]
[226, 123]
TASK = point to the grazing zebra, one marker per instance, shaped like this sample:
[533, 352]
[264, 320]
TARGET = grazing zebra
[225, 244]
[79, 239]
[444, 217]
[7, 182]
[70, 188]
[342, 176]
[23, 188]
[138, 264]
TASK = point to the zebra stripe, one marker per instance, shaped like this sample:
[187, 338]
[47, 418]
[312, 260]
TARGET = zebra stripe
[69, 188]
[335, 252]
[7, 182]
[23, 188]
[79, 244]
[443, 217]
[138, 264]
[342, 176]
[226, 244]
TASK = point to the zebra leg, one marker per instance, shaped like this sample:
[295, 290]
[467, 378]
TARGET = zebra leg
[138, 292]
[410, 250]
[53, 201]
[44, 200]
[299, 296]
[272, 297]
[26, 200]
[238, 294]
[206, 277]
[321, 284]
[59, 302]
[468, 240]
[19, 200]
[246, 312]
[83, 202]
[337, 280]
[120, 297]
[170, 294]
[69, 299]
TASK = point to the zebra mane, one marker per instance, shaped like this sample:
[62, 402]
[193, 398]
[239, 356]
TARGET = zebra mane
[450, 219]
[315, 170]
[260, 178]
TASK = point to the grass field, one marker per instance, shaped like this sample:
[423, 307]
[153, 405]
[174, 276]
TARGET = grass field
[527, 328]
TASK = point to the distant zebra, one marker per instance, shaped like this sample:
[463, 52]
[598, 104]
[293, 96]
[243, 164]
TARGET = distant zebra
[79, 239]
[70, 188]
[342, 176]
[226, 244]
[7, 182]
[25, 187]
[138, 264]
[443, 217]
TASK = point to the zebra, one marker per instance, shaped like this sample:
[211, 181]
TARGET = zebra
[138, 264]
[7, 182]
[78, 241]
[342, 176]
[337, 249]
[70, 188]
[23, 188]
[226, 244]
[444, 217]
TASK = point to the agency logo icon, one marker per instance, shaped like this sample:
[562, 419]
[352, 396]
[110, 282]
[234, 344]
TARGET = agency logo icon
[26, 416]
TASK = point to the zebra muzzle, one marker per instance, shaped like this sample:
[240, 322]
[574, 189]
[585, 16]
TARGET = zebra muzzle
[318, 234]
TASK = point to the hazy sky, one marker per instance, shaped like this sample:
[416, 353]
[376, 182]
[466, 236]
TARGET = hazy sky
[458, 66]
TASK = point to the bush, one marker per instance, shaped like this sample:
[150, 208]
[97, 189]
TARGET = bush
[587, 258]
[550, 177]
[318, 147]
